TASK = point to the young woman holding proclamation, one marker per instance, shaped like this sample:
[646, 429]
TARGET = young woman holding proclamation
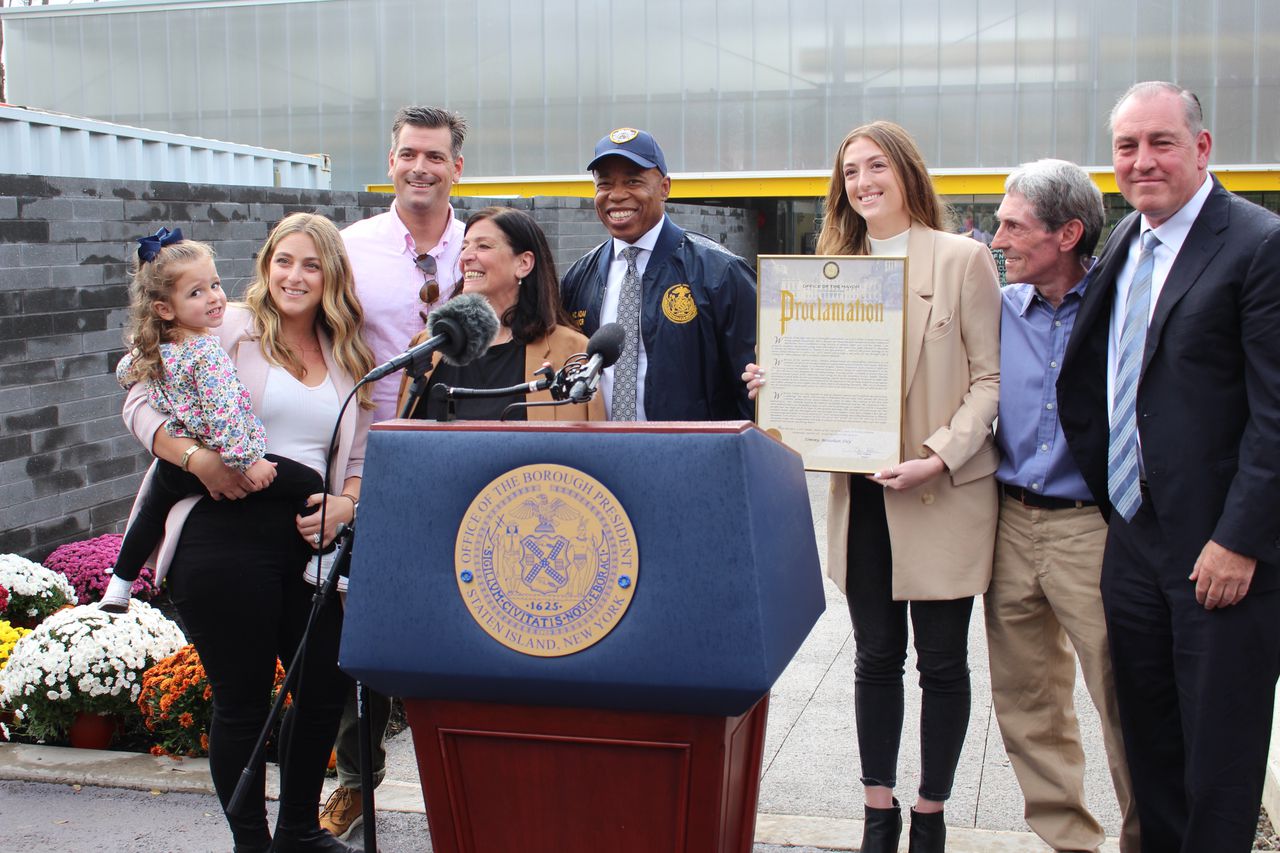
[915, 540]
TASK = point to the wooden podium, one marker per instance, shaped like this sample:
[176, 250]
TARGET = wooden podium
[649, 740]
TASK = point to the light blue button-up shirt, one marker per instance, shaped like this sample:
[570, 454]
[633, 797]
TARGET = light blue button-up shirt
[1033, 339]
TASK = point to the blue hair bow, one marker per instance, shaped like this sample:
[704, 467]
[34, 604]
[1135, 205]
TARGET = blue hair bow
[149, 247]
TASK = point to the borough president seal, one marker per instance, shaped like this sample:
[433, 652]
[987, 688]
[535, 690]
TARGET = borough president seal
[546, 560]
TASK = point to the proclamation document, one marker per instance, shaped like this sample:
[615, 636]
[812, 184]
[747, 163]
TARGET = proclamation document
[831, 340]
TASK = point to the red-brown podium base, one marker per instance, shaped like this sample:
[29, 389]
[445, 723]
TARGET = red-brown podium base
[504, 778]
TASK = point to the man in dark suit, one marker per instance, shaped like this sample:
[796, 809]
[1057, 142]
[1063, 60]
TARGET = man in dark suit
[1170, 401]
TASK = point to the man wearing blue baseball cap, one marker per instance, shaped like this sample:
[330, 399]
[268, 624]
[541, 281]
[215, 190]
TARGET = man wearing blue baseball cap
[687, 304]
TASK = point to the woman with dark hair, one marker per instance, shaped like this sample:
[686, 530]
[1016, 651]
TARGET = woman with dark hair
[505, 258]
[234, 567]
[915, 540]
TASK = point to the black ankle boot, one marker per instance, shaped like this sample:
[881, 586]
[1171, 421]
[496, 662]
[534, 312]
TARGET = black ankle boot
[244, 847]
[311, 840]
[928, 833]
[256, 840]
[881, 829]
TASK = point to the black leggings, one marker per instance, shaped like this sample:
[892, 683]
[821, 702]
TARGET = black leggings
[170, 484]
[237, 582]
[941, 630]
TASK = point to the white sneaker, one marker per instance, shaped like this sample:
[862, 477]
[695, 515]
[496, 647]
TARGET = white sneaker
[115, 598]
[315, 578]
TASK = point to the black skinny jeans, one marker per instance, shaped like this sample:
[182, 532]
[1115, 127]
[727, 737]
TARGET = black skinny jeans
[941, 630]
[170, 484]
[237, 582]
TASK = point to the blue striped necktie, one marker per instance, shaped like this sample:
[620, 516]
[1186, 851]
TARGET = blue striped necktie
[1122, 453]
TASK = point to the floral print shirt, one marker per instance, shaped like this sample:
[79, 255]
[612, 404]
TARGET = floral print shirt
[203, 398]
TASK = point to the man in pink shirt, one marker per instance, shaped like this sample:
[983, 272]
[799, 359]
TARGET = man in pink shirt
[405, 263]
[406, 260]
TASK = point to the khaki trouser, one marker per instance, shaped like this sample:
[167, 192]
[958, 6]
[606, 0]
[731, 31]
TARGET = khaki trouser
[1044, 601]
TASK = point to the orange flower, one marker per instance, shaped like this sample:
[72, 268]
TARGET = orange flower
[186, 720]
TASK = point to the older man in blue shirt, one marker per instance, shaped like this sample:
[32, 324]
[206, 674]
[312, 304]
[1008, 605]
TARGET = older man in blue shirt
[1044, 600]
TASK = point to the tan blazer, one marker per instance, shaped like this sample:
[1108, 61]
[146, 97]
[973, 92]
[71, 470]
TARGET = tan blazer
[239, 338]
[942, 533]
[555, 348]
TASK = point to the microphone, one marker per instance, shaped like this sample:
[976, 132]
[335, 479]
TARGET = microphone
[604, 348]
[461, 329]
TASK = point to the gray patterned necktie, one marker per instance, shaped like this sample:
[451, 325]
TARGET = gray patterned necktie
[626, 371]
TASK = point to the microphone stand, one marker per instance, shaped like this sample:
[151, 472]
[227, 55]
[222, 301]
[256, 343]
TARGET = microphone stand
[420, 369]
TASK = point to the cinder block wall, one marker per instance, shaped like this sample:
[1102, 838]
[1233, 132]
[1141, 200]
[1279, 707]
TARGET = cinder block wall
[68, 469]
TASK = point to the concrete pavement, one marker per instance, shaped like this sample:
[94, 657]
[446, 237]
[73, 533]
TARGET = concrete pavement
[809, 795]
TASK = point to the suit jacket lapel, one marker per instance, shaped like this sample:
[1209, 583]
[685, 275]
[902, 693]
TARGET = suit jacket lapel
[1204, 240]
[535, 354]
[919, 296]
[1094, 322]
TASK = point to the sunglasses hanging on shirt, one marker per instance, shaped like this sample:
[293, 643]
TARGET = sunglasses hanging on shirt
[430, 291]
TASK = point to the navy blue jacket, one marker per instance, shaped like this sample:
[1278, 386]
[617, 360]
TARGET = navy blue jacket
[697, 321]
[1209, 390]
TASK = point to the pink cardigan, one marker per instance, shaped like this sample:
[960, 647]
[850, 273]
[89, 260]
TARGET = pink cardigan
[237, 337]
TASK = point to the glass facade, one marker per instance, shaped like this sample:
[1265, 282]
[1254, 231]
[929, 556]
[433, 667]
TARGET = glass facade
[725, 85]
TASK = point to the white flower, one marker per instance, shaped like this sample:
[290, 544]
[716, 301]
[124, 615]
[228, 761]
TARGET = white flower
[22, 577]
[83, 652]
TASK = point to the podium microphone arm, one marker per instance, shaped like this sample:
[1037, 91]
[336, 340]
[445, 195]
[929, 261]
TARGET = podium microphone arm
[480, 393]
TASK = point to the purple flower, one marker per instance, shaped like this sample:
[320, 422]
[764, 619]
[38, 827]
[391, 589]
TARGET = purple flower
[86, 565]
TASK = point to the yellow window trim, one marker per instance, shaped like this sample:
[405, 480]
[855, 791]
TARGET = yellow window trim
[702, 185]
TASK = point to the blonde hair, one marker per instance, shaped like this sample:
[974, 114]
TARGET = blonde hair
[340, 315]
[152, 281]
[844, 232]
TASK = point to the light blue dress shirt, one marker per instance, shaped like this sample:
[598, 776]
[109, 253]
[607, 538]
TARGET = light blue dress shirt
[1033, 339]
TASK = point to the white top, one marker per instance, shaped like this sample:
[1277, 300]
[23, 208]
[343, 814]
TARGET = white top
[895, 245]
[301, 417]
[609, 311]
[1171, 234]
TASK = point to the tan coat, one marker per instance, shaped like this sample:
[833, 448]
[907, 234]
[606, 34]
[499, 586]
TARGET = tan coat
[554, 348]
[942, 533]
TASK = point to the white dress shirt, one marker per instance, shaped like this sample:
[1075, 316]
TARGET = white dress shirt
[1172, 233]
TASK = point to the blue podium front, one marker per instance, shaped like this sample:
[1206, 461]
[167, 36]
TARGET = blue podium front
[725, 585]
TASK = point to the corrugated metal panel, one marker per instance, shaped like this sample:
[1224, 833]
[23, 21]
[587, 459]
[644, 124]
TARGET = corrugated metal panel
[34, 142]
